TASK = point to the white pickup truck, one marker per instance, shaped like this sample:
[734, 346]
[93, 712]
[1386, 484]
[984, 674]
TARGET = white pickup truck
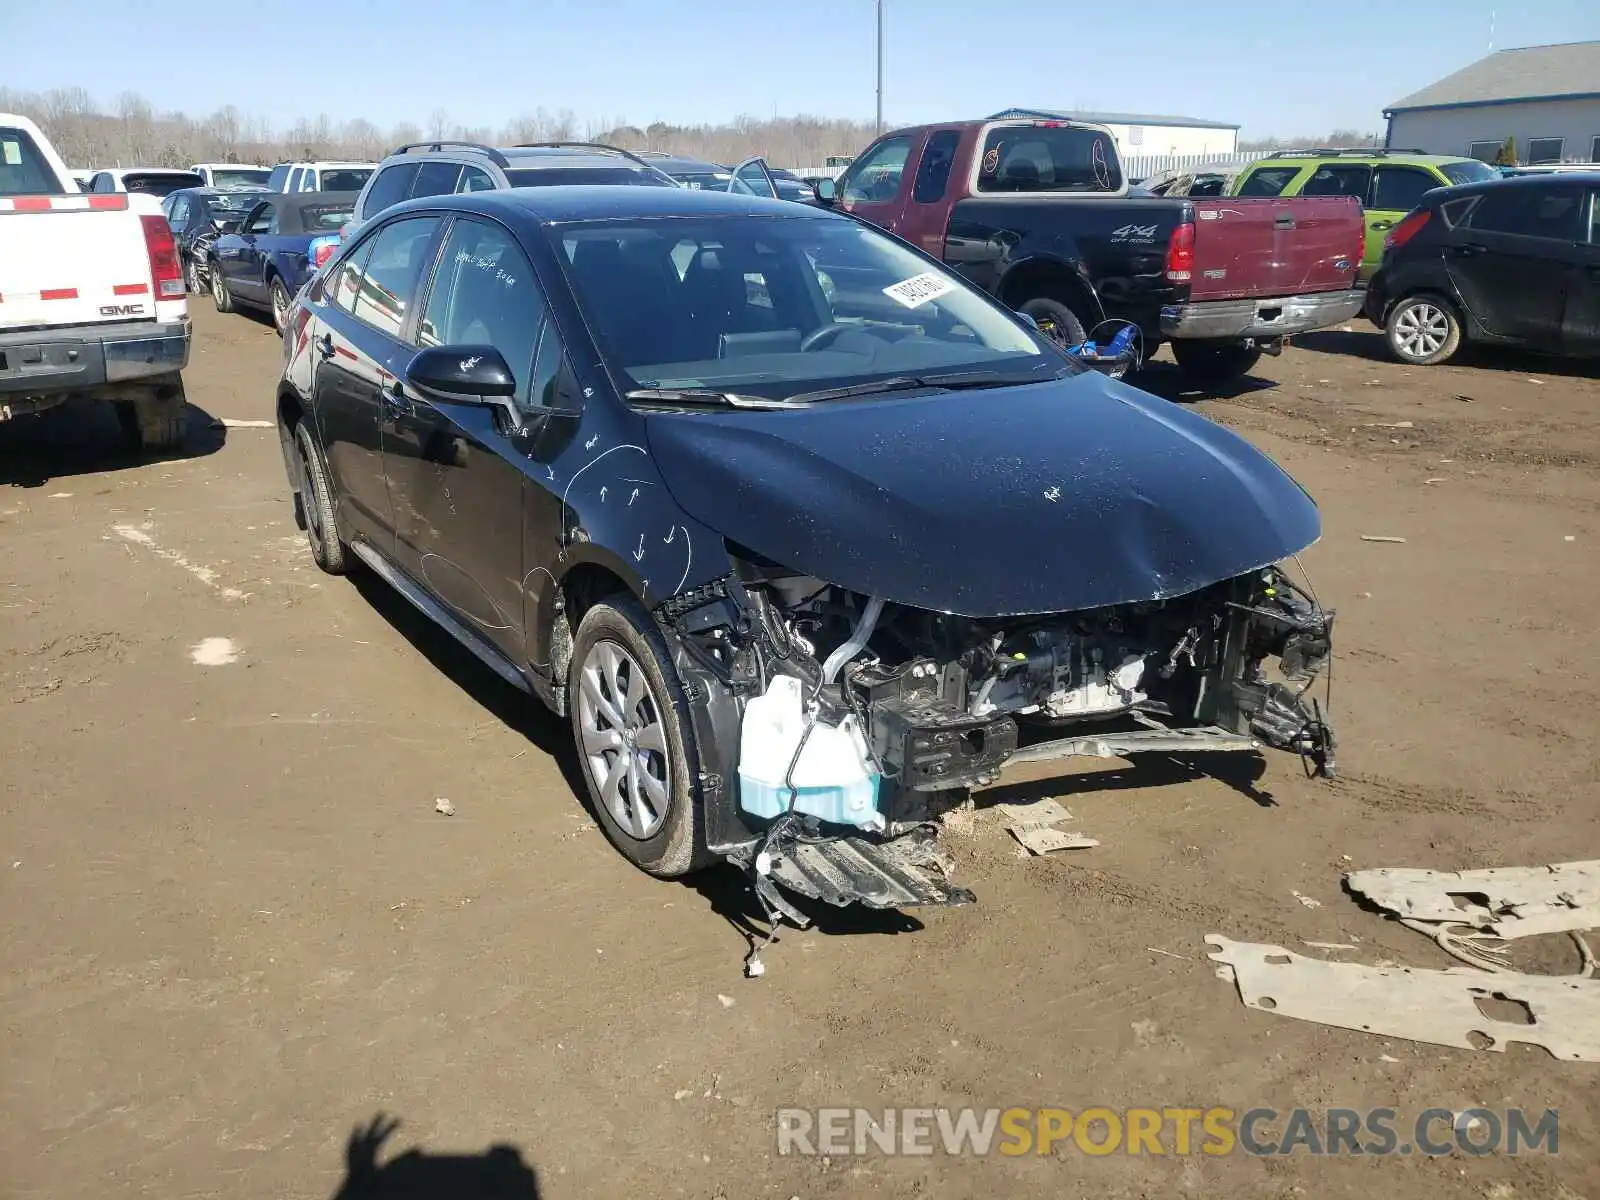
[91, 296]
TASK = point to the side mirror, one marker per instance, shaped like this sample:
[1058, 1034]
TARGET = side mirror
[827, 192]
[465, 374]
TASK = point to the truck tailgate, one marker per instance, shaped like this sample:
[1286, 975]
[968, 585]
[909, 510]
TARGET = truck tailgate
[1256, 247]
[72, 260]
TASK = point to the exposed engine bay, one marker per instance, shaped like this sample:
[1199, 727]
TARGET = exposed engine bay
[941, 703]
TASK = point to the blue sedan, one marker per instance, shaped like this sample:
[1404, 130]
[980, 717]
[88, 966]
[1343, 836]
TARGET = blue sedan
[278, 245]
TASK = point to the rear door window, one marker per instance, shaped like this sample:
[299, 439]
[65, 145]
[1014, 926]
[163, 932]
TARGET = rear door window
[1268, 181]
[392, 185]
[23, 170]
[1401, 188]
[933, 172]
[435, 179]
[1334, 179]
[1553, 213]
[473, 179]
[1048, 158]
[400, 252]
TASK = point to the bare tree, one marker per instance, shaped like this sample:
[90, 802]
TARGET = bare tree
[132, 132]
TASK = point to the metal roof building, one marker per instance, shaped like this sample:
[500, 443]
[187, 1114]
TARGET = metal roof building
[1544, 98]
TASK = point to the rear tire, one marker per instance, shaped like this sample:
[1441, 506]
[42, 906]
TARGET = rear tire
[192, 283]
[280, 304]
[156, 421]
[327, 541]
[219, 289]
[1423, 331]
[1211, 363]
[652, 810]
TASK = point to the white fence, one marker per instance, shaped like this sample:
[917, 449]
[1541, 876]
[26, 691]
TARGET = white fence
[1147, 165]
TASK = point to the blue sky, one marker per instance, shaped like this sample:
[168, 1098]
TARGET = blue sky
[1272, 67]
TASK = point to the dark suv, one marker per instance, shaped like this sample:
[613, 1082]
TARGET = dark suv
[1513, 262]
[440, 168]
[790, 520]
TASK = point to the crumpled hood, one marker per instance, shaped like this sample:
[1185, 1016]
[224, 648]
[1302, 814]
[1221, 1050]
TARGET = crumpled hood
[1051, 497]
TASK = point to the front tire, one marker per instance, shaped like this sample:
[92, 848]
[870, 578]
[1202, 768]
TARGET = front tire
[635, 741]
[1213, 363]
[192, 282]
[323, 534]
[1423, 331]
[219, 289]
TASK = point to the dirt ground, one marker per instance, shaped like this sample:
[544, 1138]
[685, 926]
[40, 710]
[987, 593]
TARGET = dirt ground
[233, 927]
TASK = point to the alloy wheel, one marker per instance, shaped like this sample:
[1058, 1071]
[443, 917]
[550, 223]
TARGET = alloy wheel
[624, 740]
[1421, 330]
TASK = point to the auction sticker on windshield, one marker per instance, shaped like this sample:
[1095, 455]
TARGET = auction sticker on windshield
[919, 289]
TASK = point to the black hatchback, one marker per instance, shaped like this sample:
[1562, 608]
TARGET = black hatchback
[1510, 262]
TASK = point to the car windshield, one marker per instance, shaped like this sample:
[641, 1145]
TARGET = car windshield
[569, 176]
[1048, 158]
[234, 176]
[1468, 170]
[344, 179]
[778, 308]
[160, 183]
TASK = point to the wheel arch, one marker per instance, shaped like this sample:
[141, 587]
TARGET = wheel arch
[1051, 279]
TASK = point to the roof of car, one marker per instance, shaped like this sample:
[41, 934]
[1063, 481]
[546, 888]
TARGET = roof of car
[1528, 182]
[553, 206]
[246, 189]
[122, 171]
[678, 162]
[1356, 155]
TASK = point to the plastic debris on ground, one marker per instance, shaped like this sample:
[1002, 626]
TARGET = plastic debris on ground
[1473, 915]
[1034, 826]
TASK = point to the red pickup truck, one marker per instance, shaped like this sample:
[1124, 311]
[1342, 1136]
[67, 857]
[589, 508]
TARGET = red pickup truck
[1039, 213]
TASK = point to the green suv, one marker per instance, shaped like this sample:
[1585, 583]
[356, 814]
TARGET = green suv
[1389, 183]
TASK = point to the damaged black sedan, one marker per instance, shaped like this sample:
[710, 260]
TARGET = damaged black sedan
[806, 536]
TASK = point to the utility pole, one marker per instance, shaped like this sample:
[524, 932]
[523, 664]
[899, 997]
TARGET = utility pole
[880, 66]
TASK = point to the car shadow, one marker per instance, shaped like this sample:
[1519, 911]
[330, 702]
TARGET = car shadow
[1374, 348]
[1166, 380]
[1241, 772]
[499, 1173]
[83, 437]
[514, 708]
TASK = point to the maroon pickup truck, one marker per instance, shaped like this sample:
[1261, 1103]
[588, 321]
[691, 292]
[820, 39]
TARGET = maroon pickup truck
[1038, 213]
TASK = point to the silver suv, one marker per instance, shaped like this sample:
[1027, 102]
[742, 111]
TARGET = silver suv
[439, 168]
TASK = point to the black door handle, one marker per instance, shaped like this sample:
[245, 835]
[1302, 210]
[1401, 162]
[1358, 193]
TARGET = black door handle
[1468, 249]
[1284, 221]
[395, 401]
[324, 345]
